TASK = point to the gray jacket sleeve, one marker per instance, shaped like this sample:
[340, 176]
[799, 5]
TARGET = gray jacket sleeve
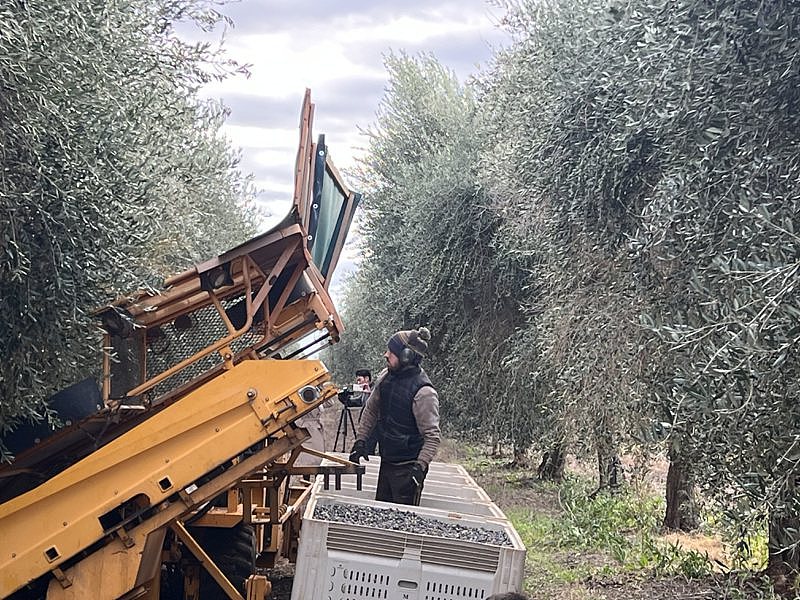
[426, 412]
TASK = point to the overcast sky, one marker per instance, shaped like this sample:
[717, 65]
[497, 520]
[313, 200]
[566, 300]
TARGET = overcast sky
[336, 48]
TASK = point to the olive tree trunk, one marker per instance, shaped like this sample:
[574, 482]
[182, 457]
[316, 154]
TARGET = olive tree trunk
[682, 513]
[610, 473]
[783, 563]
[520, 457]
[552, 466]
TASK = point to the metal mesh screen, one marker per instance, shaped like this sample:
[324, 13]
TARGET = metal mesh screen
[184, 337]
[125, 366]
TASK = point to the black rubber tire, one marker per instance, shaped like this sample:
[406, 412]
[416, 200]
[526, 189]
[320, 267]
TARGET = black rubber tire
[233, 550]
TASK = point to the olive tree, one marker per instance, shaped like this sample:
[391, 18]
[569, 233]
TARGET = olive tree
[663, 137]
[428, 237]
[722, 228]
[113, 175]
[566, 207]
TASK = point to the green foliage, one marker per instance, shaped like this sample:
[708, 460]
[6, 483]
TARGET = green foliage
[429, 254]
[114, 175]
[744, 587]
[623, 527]
[626, 184]
[609, 521]
[584, 345]
[746, 542]
[650, 151]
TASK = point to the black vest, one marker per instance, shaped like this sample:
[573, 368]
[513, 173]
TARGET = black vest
[398, 434]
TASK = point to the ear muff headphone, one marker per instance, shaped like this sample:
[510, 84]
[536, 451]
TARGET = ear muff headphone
[407, 357]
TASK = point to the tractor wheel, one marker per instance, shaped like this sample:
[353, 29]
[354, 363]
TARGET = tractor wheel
[233, 550]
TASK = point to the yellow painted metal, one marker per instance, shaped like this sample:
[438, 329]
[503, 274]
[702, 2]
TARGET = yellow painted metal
[155, 460]
[114, 570]
[121, 568]
[257, 587]
[219, 518]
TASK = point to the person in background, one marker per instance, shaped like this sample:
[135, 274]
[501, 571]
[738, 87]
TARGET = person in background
[403, 412]
[364, 381]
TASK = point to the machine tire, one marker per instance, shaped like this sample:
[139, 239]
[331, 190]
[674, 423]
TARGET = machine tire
[234, 552]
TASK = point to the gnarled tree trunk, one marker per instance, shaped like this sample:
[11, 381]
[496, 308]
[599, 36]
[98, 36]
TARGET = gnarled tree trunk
[611, 476]
[783, 564]
[552, 466]
[520, 457]
[681, 513]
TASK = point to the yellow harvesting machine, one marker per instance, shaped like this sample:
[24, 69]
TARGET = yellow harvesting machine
[175, 478]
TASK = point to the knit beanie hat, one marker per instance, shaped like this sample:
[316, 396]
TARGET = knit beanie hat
[415, 339]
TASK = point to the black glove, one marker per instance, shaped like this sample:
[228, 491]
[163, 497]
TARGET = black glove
[418, 474]
[359, 451]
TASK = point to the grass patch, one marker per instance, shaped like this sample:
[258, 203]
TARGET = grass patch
[608, 546]
[604, 535]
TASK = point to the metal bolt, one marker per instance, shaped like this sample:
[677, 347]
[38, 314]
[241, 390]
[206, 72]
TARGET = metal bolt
[251, 394]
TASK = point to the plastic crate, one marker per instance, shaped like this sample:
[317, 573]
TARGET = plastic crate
[340, 561]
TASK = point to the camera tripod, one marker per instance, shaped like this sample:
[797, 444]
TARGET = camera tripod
[345, 417]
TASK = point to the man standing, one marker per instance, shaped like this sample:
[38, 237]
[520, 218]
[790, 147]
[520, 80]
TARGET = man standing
[403, 411]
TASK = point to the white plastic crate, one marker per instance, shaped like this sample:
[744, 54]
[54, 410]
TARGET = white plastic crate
[340, 561]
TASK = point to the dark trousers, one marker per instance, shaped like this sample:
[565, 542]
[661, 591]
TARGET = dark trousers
[396, 485]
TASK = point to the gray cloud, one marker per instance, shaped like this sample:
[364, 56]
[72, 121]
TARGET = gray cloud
[250, 16]
[341, 105]
[280, 174]
[345, 102]
[274, 206]
[260, 111]
[464, 51]
[460, 51]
